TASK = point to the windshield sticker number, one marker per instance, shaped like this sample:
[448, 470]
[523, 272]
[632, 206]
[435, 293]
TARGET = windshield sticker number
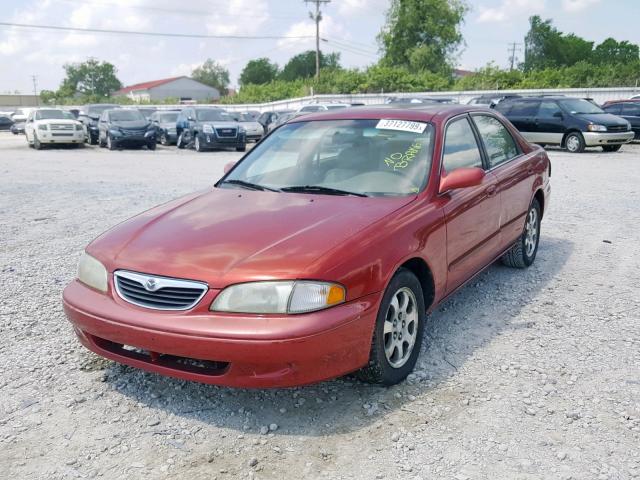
[402, 125]
[399, 160]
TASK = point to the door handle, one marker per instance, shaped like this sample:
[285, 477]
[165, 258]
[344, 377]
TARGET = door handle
[491, 190]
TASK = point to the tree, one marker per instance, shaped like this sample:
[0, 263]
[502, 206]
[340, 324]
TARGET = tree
[213, 74]
[422, 34]
[546, 47]
[611, 51]
[89, 78]
[258, 72]
[303, 65]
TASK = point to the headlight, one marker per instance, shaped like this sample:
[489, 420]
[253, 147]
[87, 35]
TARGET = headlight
[78, 127]
[241, 129]
[596, 128]
[92, 273]
[279, 297]
[628, 125]
[207, 128]
[43, 126]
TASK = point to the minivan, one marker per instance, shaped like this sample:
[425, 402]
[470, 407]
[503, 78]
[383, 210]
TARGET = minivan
[572, 123]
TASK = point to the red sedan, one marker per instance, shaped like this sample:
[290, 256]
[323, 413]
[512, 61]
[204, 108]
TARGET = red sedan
[319, 253]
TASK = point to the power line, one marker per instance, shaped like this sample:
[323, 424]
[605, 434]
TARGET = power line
[317, 17]
[347, 46]
[151, 34]
[514, 47]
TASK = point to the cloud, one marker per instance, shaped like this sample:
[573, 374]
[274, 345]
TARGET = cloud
[238, 17]
[350, 7]
[509, 9]
[577, 5]
[328, 28]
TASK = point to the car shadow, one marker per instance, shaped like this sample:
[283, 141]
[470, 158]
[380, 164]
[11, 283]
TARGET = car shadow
[490, 305]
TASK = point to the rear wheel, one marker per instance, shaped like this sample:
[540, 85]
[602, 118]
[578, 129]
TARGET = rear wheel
[574, 142]
[151, 145]
[180, 141]
[611, 148]
[523, 253]
[243, 148]
[397, 335]
[163, 139]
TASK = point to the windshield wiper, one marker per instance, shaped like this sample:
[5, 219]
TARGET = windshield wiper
[249, 185]
[321, 190]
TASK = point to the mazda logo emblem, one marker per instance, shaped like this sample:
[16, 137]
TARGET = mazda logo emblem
[151, 285]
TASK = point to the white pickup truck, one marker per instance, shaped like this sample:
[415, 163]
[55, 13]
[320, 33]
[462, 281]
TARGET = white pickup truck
[52, 125]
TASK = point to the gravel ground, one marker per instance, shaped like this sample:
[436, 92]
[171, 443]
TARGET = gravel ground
[523, 375]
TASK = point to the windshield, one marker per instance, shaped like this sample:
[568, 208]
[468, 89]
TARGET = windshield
[53, 114]
[577, 105]
[168, 117]
[213, 115]
[244, 117]
[370, 157]
[97, 110]
[125, 116]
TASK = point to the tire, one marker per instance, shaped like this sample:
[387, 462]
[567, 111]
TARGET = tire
[164, 140]
[389, 362]
[611, 148]
[197, 145]
[523, 253]
[151, 145]
[36, 143]
[111, 145]
[243, 148]
[101, 144]
[574, 142]
[92, 141]
[180, 142]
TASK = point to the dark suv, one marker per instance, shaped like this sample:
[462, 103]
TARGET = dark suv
[206, 128]
[572, 123]
[124, 127]
[90, 115]
[627, 109]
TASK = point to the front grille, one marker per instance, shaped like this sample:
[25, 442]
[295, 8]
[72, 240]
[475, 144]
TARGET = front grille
[159, 293]
[227, 132]
[61, 126]
[62, 134]
[617, 128]
[131, 131]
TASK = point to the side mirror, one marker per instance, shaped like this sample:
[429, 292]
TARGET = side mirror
[190, 119]
[228, 167]
[558, 115]
[461, 178]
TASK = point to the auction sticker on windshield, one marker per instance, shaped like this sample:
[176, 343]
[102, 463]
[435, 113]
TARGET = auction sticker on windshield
[402, 125]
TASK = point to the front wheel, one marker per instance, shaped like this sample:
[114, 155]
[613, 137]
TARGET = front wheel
[111, 145]
[523, 252]
[164, 140]
[611, 148]
[36, 142]
[243, 148]
[197, 144]
[180, 142]
[397, 335]
[574, 142]
[151, 145]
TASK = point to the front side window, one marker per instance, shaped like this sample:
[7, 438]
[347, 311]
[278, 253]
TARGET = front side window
[497, 140]
[548, 109]
[367, 157]
[460, 147]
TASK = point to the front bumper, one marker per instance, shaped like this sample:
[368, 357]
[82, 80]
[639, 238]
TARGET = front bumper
[209, 140]
[248, 350]
[64, 136]
[595, 139]
[132, 139]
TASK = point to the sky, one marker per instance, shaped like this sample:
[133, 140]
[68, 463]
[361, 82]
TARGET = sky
[349, 26]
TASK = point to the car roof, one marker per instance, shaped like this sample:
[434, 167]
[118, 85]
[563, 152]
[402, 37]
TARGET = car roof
[417, 112]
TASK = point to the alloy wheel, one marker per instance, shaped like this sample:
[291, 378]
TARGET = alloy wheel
[573, 143]
[401, 327]
[531, 232]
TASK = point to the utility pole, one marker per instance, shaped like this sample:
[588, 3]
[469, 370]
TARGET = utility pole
[514, 47]
[34, 78]
[316, 18]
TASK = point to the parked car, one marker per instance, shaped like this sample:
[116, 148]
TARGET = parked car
[5, 122]
[635, 97]
[125, 128]
[18, 128]
[319, 253]
[147, 111]
[254, 129]
[20, 115]
[90, 115]
[572, 123]
[164, 122]
[322, 107]
[284, 118]
[629, 110]
[409, 100]
[52, 125]
[207, 128]
[267, 119]
[490, 100]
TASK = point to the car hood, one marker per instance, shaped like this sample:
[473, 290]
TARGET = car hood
[219, 124]
[133, 124]
[603, 119]
[252, 125]
[224, 236]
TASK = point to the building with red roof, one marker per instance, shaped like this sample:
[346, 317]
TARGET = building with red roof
[181, 88]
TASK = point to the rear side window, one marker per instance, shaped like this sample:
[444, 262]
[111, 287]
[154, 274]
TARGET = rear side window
[523, 108]
[548, 109]
[613, 109]
[460, 147]
[631, 110]
[498, 142]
